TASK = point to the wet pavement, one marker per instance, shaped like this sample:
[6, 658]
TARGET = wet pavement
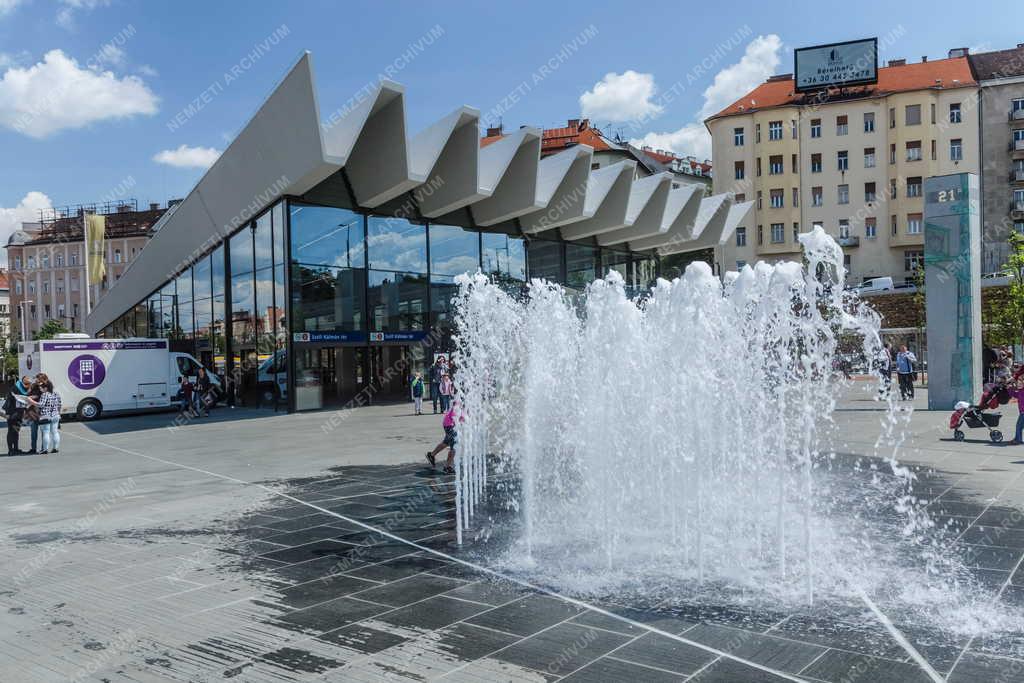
[237, 548]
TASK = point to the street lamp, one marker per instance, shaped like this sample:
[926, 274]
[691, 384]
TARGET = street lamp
[22, 306]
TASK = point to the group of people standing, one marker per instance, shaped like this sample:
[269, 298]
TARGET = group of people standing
[441, 387]
[33, 401]
[194, 397]
[905, 364]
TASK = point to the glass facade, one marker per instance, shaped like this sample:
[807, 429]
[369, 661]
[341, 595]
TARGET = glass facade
[311, 306]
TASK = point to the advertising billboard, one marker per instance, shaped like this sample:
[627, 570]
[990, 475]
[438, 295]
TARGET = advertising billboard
[854, 62]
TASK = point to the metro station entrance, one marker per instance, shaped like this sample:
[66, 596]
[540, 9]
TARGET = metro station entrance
[337, 376]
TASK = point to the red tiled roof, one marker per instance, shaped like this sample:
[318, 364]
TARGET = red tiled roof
[4, 283]
[556, 139]
[919, 76]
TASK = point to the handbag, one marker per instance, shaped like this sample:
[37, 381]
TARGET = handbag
[43, 421]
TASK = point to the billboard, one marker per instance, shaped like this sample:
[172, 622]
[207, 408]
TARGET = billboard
[854, 62]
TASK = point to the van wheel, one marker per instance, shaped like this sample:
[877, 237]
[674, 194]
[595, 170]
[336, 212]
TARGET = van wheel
[89, 409]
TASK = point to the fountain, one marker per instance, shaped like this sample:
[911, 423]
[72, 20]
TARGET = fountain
[681, 447]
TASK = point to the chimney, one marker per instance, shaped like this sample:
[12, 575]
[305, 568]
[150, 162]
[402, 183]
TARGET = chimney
[124, 208]
[959, 52]
[494, 130]
[584, 124]
[153, 206]
[897, 62]
[646, 148]
[574, 123]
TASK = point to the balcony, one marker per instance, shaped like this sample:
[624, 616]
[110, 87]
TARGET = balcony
[1017, 175]
[1017, 145]
[1017, 210]
[850, 241]
[1017, 115]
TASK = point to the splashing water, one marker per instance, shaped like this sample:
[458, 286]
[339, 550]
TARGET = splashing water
[682, 443]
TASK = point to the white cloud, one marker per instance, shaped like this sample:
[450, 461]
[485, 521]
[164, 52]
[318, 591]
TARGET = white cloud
[760, 60]
[57, 94]
[111, 54]
[621, 97]
[27, 210]
[66, 14]
[8, 6]
[187, 157]
[147, 70]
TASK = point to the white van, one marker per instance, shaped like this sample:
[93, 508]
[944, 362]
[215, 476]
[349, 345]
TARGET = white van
[97, 375]
[875, 284]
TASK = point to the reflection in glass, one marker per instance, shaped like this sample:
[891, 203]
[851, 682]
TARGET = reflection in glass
[183, 286]
[277, 216]
[327, 299]
[241, 251]
[397, 301]
[201, 278]
[263, 242]
[442, 290]
[644, 272]
[141, 320]
[504, 256]
[580, 265]
[327, 237]
[453, 251]
[617, 261]
[545, 260]
[396, 244]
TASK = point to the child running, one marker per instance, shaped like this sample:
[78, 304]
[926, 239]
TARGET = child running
[451, 437]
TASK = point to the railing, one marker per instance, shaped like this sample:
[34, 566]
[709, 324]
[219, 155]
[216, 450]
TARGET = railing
[1017, 175]
[1017, 207]
[1017, 145]
[1017, 115]
[850, 241]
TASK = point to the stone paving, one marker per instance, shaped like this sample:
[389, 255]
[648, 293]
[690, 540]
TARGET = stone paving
[151, 552]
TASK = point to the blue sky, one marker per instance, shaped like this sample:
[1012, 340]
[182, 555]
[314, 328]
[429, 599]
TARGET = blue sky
[91, 90]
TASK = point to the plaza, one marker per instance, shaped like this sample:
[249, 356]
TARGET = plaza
[151, 550]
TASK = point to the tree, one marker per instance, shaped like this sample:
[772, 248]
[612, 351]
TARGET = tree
[1006, 324]
[50, 329]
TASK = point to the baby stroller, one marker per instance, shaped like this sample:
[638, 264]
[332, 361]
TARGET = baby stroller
[993, 396]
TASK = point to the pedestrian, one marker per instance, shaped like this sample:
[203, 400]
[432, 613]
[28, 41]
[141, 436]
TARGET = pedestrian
[988, 363]
[201, 392]
[885, 370]
[451, 437]
[446, 390]
[436, 371]
[417, 392]
[31, 416]
[186, 393]
[49, 418]
[905, 362]
[14, 410]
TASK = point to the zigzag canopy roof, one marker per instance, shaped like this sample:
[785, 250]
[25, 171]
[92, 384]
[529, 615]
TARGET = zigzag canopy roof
[362, 154]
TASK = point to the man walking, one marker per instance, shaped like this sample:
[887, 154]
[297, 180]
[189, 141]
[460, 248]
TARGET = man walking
[905, 361]
[436, 371]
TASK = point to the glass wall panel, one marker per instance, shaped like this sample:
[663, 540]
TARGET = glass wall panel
[328, 299]
[397, 301]
[580, 265]
[155, 317]
[453, 251]
[277, 216]
[183, 285]
[545, 260]
[327, 237]
[442, 289]
[396, 244]
[263, 243]
[644, 272]
[617, 261]
[141, 320]
[504, 256]
[201, 278]
[243, 297]
[217, 325]
[168, 309]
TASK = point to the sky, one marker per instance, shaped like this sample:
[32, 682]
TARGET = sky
[102, 100]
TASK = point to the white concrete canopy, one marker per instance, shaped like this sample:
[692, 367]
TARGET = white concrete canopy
[361, 153]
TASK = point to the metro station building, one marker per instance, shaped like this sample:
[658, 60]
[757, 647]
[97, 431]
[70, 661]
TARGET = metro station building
[321, 249]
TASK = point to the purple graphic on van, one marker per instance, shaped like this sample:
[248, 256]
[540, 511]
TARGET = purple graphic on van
[86, 371]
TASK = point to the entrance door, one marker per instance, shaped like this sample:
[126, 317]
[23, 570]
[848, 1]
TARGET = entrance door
[330, 376]
[391, 371]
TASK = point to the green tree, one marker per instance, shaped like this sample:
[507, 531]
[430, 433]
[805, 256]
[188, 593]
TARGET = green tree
[50, 329]
[1006, 324]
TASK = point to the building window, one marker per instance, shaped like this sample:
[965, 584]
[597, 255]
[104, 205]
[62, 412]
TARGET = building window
[794, 162]
[843, 160]
[31, 286]
[741, 236]
[1017, 104]
[913, 115]
[738, 166]
[892, 117]
[775, 165]
[757, 133]
[869, 192]
[816, 196]
[760, 235]
[895, 225]
[1018, 137]
[775, 130]
[914, 150]
[740, 264]
[815, 163]
[758, 163]
[737, 137]
[1017, 225]
[58, 260]
[842, 125]
[869, 122]
[869, 157]
[31, 262]
[759, 200]
[954, 112]
[1018, 200]
[892, 188]
[844, 228]
[796, 233]
[793, 129]
[914, 186]
[778, 233]
[740, 198]
[117, 256]
[17, 286]
[73, 259]
[847, 262]
[796, 196]
[776, 198]
[913, 224]
[844, 194]
[17, 263]
[956, 150]
[870, 228]
[815, 128]
[912, 260]
[46, 287]
[44, 260]
[892, 153]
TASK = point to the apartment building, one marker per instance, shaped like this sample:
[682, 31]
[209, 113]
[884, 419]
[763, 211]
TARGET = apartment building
[1000, 75]
[852, 160]
[46, 268]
